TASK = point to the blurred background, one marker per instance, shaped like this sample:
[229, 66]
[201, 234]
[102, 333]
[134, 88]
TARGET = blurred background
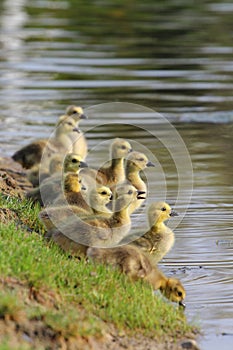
[174, 56]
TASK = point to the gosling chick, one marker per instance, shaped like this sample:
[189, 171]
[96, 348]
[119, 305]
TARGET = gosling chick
[31, 155]
[50, 188]
[159, 239]
[114, 172]
[72, 192]
[76, 235]
[79, 141]
[137, 265]
[98, 199]
[135, 163]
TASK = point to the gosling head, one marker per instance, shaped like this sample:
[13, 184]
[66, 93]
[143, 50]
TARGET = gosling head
[100, 196]
[138, 161]
[126, 194]
[66, 124]
[174, 291]
[75, 112]
[73, 162]
[159, 212]
[120, 148]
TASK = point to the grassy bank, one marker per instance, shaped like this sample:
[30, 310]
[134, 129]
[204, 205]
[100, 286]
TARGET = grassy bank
[70, 301]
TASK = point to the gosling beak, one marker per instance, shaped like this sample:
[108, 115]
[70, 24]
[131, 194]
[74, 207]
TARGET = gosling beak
[83, 116]
[111, 197]
[150, 164]
[181, 303]
[83, 165]
[174, 213]
[76, 130]
[130, 150]
[141, 195]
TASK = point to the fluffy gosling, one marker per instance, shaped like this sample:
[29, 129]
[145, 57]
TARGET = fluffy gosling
[51, 187]
[31, 155]
[114, 172]
[135, 163]
[98, 199]
[76, 235]
[137, 265]
[159, 239]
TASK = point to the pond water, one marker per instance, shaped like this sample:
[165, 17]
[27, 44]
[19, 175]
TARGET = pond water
[174, 57]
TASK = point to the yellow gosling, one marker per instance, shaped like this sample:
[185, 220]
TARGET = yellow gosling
[137, 265]
[79, 143]
[77, 235]
[159, 239]
[98, 199]
[72, 192]
[114, 172]
[31, 155]
[51, 187]
[136, 162]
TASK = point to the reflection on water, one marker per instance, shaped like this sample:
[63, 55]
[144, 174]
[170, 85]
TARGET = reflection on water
[175, 57]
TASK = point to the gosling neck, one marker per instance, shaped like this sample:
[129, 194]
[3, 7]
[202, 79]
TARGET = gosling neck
[132, 174]
[158, 225]
[63, 138]
[121, 211]
[71, 183]
[117, 165]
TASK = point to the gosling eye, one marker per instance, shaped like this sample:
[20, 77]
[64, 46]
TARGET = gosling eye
[74, 160]
[180, 294]
[123, 147]
[69, 123]
[141, 159]
[130, 192]
[163, 209]
[74, 112]
[104, 193]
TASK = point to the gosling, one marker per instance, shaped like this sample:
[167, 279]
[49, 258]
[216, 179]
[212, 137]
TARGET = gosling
[31, 155]
[51, 187]
[135, 163]
[98, 199]
[159, 239]
[137, 265]
[76, 235]
[113, 173]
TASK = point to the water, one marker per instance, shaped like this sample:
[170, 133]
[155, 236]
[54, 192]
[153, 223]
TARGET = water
[175, 58]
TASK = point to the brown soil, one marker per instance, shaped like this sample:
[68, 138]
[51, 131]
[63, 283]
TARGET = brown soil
[13, 179]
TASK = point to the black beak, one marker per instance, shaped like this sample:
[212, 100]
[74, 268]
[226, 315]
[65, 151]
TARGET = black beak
[181, 303]
[83, 188]
[130, 150]
[174, 213]
[111, 197]
[141, 195]
[83, 165]
[76, 130]
[150, 164]
[83, 116]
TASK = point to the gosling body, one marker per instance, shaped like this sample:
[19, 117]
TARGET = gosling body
[114, 172]
[136, 162]
[159, 239]
[137, 265]
[66, 129]
[98, 230]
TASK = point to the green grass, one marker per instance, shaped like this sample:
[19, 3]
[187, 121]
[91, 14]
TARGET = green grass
[79, 298]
